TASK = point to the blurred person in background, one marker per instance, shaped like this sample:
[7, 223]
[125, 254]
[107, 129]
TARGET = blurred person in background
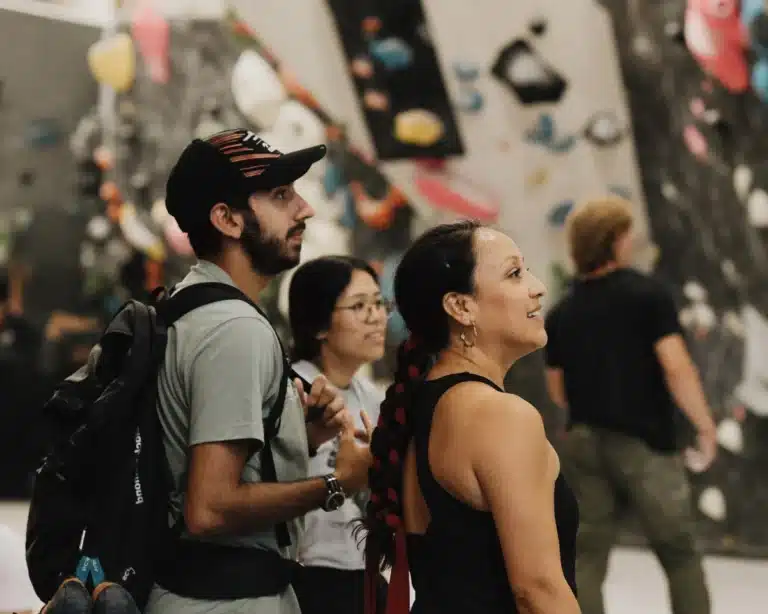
[466, 491]
[617, 362]
[338, 322]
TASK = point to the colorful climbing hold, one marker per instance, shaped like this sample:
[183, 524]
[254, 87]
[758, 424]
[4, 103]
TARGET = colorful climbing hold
[375, 100]
[362, 68]
[465, 71]
[603, 129]
[393, 53]
[470, 100]
[419, 127]
[695, 142]
[559, 213]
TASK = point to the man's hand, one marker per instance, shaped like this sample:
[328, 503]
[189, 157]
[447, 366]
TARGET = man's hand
[354, 456]
[702, 457]
[335, 415]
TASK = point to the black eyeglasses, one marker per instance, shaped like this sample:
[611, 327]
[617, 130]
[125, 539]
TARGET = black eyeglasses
[364, 309]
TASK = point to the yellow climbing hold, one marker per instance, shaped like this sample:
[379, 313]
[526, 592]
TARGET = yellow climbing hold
[537, 178]
[418, 127]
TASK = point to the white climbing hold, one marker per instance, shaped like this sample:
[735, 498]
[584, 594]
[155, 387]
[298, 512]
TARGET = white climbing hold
[694, 292]
[742, 181]
[757, 209]
[703, 316]
[98, 228]
[669, 191]
[712, 504]
[729, 436]
[87, 256]
[730, 272]
[686, 317]
[733, 324]
[257, 90]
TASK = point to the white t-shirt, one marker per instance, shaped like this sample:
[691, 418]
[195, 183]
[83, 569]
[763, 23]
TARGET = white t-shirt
[16, 592]
[327, 539]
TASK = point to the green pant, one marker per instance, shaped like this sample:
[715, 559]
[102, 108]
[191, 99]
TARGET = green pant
[609, 473]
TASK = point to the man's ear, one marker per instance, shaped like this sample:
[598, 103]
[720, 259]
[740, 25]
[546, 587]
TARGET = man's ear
[226, 221]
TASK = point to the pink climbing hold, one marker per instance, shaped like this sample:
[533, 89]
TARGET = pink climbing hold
[697, 107]
[695, 142]
[152, 35]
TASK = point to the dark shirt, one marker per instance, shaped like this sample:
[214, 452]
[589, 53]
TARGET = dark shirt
[602, 335]
[458, 564]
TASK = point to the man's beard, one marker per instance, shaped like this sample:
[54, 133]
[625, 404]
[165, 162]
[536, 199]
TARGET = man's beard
[269, 256]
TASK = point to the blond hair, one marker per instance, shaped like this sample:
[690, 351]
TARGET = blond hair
[593, 228]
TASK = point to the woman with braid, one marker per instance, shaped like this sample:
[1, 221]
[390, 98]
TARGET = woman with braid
[466, 491]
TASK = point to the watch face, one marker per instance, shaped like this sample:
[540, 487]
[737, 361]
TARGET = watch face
[334, 501]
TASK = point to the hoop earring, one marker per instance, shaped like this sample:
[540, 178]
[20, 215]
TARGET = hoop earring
[469, 343]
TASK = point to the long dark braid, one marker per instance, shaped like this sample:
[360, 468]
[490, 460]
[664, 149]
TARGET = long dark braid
[385, 532]
[388, 447]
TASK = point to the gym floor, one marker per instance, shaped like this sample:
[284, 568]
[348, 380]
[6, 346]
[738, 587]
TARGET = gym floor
[635, 584]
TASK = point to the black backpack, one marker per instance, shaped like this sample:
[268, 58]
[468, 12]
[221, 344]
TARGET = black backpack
[100, 503]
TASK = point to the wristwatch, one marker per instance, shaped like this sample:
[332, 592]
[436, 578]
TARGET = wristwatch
[335, 495]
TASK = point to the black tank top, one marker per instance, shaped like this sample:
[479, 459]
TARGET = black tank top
[458, 565]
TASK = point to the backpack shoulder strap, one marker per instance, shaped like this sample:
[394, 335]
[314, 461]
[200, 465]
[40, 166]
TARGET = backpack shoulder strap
[181, 302]
[190, 298]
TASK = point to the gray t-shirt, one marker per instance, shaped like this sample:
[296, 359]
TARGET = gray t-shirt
[219, 379]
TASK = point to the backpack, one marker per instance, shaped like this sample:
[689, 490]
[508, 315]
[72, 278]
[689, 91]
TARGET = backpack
[100, 502]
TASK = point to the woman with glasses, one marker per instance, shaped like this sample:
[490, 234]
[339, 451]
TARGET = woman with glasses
[338, 319]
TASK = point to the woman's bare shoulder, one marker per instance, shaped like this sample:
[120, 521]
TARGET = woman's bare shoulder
[482, 409]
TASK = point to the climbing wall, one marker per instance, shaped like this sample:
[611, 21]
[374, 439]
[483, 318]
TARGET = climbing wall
[205, 76]
[424, 122]
[695, 81]
[468, 114]
[38, 179]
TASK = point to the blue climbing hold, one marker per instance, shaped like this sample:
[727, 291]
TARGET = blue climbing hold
[349, 216]
[559, 213]
[465, 71]
[563, 145]
[543, 132]
[545, 135]
[470, 100]
[332, 180]
[42, 133]
[394, 53]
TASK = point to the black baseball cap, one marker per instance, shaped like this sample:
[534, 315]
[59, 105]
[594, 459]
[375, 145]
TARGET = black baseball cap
[230, 166]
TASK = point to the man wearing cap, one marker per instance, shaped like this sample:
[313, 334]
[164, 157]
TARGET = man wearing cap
[233, 195]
